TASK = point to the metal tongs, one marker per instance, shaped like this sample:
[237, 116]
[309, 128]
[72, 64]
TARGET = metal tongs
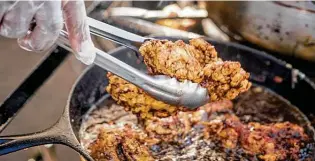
[170, 12]
[164, 88]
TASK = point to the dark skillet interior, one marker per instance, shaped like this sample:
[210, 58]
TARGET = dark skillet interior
[265, 71]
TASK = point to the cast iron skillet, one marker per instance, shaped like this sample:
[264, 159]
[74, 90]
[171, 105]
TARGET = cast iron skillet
[265, 70]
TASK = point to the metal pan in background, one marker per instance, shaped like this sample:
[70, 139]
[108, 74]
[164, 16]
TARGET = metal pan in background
[89, 89]
[282, 27]
[285, 27]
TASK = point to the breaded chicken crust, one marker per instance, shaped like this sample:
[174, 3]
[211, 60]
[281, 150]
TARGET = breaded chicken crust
[136, 100]
[270, 142]
[118, 145]
[197, 61]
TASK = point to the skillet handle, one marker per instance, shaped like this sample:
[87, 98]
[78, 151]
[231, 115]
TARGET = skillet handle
[11, 144]
[60, 133]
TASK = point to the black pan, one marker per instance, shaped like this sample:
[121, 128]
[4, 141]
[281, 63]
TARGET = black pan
[89, 89]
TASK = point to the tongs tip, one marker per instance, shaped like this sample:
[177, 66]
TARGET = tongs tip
[194, 95]
[186, 93]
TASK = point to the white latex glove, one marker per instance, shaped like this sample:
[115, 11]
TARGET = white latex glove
[16, 18]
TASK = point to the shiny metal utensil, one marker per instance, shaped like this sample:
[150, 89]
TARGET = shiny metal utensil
[170, 12]
[150, 28]
[115, 34]
[166, 89]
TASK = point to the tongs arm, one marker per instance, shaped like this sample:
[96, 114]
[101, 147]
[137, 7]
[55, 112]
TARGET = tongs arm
[115, 34]
[186, 93]
[172, 12]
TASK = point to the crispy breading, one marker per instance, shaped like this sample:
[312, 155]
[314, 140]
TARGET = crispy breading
[174, 59]
[225, 80]
[196, 61]
[279, 140]
[117, 145]
[270, 142]
[169, 128]
[136, 100]
[204, 52]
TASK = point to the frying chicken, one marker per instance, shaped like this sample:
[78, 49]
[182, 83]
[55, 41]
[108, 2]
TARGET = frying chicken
[214, 122]
[117, 145]
[169, 128]
[225, 80]
[196, 61]
[271, 142]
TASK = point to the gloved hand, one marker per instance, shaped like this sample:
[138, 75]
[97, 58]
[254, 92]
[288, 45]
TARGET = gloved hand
[17, 16]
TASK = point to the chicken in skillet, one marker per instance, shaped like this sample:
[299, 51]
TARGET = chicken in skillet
[213, 123]
[117, 145]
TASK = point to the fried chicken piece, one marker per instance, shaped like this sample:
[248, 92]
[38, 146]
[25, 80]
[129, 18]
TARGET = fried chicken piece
[117, 145]
[225, 80]
[104, 148]
[196, 61]
[136, 100]
[275, 141]
[178, 59]
[169, 128]
[174, 59]
[204, 52]
[269, 142]
[164, 129]
[217, 106]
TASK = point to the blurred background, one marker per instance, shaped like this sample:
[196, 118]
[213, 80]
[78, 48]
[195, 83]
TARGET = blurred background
[282, 29]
